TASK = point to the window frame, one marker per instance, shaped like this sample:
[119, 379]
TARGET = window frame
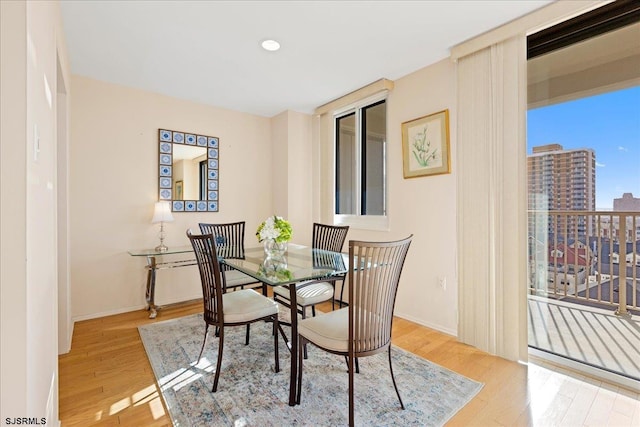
[360, 221]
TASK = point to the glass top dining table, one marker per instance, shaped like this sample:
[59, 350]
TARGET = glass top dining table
[298, 264]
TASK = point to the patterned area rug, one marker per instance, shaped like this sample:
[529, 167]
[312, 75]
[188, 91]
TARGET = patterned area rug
[251, 394]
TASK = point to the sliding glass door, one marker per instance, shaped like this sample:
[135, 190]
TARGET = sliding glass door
[583, 166]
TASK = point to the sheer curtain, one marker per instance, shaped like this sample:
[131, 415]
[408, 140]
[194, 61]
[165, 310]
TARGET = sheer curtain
[492, 221]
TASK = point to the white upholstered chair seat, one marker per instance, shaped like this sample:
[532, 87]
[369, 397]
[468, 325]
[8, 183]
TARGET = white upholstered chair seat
[308, 295]
[330, 330]
[245, 305]
[234, 278]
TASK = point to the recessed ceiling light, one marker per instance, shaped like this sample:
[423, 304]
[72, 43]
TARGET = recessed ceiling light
[270, 45]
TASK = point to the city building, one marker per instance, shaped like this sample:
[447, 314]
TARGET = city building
[563, 180]
[609, 225]
[627, 203]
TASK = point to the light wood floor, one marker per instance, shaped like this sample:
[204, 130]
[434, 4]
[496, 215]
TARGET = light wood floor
[106, 380]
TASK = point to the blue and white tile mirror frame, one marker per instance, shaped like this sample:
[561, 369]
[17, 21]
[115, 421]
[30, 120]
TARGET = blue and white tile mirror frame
[180, 151]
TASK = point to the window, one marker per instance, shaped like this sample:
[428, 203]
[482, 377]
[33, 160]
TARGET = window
[360, 164]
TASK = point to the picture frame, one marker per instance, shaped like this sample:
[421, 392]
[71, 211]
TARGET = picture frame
[179, 190]
[425, 145]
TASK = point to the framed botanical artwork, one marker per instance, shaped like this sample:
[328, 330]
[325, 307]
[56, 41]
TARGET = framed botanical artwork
[425, 145]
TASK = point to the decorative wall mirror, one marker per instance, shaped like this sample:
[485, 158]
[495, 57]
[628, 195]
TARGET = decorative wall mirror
[188, 171]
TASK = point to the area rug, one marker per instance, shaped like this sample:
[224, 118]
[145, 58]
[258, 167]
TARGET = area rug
[250, 393]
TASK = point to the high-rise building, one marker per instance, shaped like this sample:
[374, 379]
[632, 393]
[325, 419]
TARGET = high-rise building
[627, 203]
[563, 180]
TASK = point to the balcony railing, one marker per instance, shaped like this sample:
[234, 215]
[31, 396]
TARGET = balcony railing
[586, 257]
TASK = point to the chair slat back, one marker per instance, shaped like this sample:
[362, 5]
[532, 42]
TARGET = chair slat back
[229, 238]
[207, 258]
[329, 237]
[374, 275]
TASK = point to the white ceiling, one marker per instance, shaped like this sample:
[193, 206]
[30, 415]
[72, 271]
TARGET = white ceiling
[209, 51]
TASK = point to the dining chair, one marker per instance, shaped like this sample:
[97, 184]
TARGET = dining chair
[364, 327]
[310, 293]
[222, 309]
[229, 239]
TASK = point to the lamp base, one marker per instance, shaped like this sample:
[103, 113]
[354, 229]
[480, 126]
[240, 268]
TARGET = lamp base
[161, 248]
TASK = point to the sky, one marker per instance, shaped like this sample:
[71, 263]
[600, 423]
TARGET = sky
[607, 123]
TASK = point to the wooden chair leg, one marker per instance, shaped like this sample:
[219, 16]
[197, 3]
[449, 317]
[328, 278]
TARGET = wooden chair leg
[219, 362]
[204, 341]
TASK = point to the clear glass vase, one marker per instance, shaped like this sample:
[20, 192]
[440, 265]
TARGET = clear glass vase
[274, 249]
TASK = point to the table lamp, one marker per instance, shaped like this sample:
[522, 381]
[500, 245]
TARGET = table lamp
[162, 214]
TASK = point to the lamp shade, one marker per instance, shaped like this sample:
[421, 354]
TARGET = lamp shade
[162, 213]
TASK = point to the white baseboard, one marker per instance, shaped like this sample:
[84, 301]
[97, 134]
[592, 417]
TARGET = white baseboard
[67, 349]
[132, 308]
[70, 337]
[439, 328]
[52, 407]
[107, 313]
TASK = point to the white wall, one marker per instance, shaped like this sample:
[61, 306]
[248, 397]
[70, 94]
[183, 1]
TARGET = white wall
[13, 268]
[292, 187]
[65, 323]
[31, 37]
[280, 158]
[114, 184]
[299, 182]
[425, 206]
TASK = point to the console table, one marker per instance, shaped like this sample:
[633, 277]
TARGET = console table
[153, 265]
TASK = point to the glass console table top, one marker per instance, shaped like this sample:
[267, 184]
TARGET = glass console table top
[153, 266]
[153, 252]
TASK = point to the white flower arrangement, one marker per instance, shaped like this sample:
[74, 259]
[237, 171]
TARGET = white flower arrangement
[274, 228]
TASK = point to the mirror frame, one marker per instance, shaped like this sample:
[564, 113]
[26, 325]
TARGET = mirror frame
[166, 139]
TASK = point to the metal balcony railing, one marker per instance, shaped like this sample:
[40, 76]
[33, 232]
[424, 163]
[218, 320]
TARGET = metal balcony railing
[586, 257]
